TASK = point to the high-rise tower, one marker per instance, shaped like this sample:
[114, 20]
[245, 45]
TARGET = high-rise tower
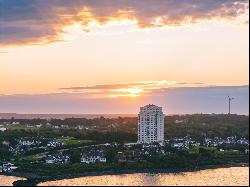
[151, 124]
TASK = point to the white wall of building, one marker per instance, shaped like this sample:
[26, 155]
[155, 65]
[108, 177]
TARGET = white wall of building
[150, 124]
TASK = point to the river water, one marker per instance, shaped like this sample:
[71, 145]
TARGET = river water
[8, 180]
[234, 176]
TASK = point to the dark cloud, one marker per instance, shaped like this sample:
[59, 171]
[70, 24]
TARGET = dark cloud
[42, 21]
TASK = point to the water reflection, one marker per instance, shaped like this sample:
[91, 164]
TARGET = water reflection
[8, 180]
[223, 176]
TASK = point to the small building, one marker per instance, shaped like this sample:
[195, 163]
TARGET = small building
[15, 123]
[7, 143]
[18, 149]
[181, 146]
[38, 126]
[55, 143]
[2, 129]
[129, 145]
[93, 157]
[178, 121]
[7, 167]
[247, 151]
[121, 158]
[57, 159]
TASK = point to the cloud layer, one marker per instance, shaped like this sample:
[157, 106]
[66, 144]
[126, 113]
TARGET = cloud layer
[173, 100]
[43, 21]
[131, 89]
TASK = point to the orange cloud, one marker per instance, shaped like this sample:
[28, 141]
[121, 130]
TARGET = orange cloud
[130, 89]
[25, 22]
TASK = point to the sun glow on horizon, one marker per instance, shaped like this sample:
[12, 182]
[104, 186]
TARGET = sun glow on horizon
[98, 50]
[127, 92]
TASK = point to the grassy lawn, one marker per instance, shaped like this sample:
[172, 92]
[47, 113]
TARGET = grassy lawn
[73, 141]
[33, 158]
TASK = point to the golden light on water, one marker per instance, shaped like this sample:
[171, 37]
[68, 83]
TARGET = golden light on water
[234, 176]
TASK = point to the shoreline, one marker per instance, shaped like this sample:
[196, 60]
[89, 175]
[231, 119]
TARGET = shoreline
[34, 179]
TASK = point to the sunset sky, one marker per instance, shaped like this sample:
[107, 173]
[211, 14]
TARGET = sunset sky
[112, 56]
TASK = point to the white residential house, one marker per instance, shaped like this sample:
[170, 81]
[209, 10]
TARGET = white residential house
[151, 124]
[15, 123]
[7, 143]
[8, 167]
[54, 143]
[178, 121]
[50, 161]
[93, 157]
[247, 151]
[3, 129]
[57, 159]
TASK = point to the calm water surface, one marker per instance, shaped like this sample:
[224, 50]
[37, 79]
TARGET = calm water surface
[233, 176]
[8, 180]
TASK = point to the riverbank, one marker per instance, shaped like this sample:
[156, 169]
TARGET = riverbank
[34, 179]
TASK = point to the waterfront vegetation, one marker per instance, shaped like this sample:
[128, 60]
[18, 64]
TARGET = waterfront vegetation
[176, 160]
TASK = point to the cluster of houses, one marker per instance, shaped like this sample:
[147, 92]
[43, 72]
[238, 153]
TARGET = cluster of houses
[90, 157]
[7, 167]
[149, 149]
[186, 142]
[183, 143]
[18, 150]
[133, 152]
[29, 142]
[130, 153]
[11, 123]
[232, 140]
[23, 146]
[79, 127]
